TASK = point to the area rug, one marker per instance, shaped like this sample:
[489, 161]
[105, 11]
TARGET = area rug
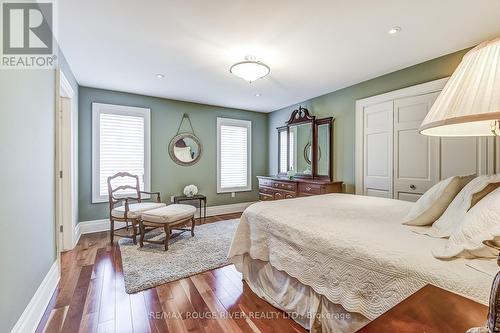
[150, 266]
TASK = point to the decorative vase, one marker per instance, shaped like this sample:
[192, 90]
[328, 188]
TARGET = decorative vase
[190, 190]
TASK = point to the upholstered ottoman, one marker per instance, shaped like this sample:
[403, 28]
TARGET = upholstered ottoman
[170, 217]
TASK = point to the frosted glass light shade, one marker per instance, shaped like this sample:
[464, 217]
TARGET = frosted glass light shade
[469, 104]
[250, 70]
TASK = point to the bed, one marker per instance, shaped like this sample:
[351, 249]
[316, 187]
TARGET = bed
[335, 262]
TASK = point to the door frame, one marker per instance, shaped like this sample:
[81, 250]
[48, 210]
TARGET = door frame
[361, 104]
[64, 166]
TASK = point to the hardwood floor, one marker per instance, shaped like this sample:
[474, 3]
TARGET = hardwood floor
[91, 297]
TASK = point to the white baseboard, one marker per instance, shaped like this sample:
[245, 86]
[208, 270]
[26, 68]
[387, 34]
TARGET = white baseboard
[88, 227]
[227, 209]
[33, 313]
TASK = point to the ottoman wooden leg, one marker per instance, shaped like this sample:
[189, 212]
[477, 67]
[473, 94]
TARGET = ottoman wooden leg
[143, 232]
[167, 236]
[192, 226]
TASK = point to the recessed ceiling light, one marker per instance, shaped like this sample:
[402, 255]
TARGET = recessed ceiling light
[257, 95]
[160, 76]
[394, 30]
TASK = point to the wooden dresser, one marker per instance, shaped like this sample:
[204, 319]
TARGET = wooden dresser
[276, 188]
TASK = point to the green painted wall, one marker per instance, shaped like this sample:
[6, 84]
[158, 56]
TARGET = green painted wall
[340, 104]
[166, 176]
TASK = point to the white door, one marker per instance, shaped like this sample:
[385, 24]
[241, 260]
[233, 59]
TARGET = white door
[463, 156]
[377, 145]
[416, 156]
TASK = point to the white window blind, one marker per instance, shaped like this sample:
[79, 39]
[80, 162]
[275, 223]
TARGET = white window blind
[283, 152]
[233, 155]
[291, 138]
[120, 144]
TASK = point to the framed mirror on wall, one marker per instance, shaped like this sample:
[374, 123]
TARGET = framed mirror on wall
[305, 146]
[185, 148]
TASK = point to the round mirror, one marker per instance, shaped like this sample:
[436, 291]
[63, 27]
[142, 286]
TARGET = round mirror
[308, 153]
[185, 149]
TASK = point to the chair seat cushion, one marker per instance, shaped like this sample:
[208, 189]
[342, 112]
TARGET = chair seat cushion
[135, 210]
[169, 214]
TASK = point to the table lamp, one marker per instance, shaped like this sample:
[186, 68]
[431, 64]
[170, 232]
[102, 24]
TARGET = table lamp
[469, 105]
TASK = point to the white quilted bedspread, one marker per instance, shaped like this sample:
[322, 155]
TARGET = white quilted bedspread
[353, 250]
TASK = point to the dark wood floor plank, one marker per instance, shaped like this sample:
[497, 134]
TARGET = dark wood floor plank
[92, 284]
[154, 309]
[140, 321]
[107, 305]
[75, 310]
[123, 315]
[90, 323]
[214, 305]
[56, 320]
[209, 324]
[185, 307]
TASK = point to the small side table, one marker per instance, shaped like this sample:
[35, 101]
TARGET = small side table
[200, 197]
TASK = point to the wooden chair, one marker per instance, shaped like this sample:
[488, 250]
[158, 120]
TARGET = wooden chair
[131, 207]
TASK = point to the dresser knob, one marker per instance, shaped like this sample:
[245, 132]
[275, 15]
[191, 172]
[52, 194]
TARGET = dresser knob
[413, 187]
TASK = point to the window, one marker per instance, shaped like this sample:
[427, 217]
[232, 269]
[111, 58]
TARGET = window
[293, 143]
[234, 155]
[283, 151]
[120, 143]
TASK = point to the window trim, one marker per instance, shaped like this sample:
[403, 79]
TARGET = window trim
[97, 109]
[239, 123]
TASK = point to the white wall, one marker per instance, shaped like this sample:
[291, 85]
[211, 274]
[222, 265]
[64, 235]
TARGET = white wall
[27, 187]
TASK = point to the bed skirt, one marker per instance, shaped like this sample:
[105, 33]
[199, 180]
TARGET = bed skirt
[301, 303]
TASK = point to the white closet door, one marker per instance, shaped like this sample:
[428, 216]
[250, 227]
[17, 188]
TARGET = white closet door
[377, 153]
[463, 156]
[416, 156]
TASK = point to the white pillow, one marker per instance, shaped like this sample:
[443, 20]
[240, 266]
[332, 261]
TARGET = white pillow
[481, 223]
[434, 202]
[455, 213]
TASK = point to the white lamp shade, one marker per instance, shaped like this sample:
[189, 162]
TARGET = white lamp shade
[469, 104]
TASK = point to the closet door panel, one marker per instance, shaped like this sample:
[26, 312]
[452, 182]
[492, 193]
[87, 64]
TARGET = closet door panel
[416, 157]
[378, 140]
[463, 156]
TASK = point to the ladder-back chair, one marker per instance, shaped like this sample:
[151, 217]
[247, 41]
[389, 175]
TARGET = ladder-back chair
[131, 207]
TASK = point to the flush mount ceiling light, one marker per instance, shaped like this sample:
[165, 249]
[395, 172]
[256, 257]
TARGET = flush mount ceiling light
[258, 95]
[160, 76]
[394, 30]
[250, 69]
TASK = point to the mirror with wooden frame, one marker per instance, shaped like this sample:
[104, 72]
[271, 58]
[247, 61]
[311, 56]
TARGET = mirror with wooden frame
[305, 147]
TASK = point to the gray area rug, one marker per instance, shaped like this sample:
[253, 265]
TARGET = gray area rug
[147, 267]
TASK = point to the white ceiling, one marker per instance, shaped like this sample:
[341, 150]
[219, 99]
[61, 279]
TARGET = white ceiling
[312, 47]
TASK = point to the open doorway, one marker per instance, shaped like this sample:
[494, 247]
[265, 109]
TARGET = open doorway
[65, 165]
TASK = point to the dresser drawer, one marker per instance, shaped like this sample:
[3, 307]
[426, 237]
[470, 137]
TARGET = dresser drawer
[267, 190]
[265, 197]
[265, 182]
[278, 195]
[309, 189]
[285, 186]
